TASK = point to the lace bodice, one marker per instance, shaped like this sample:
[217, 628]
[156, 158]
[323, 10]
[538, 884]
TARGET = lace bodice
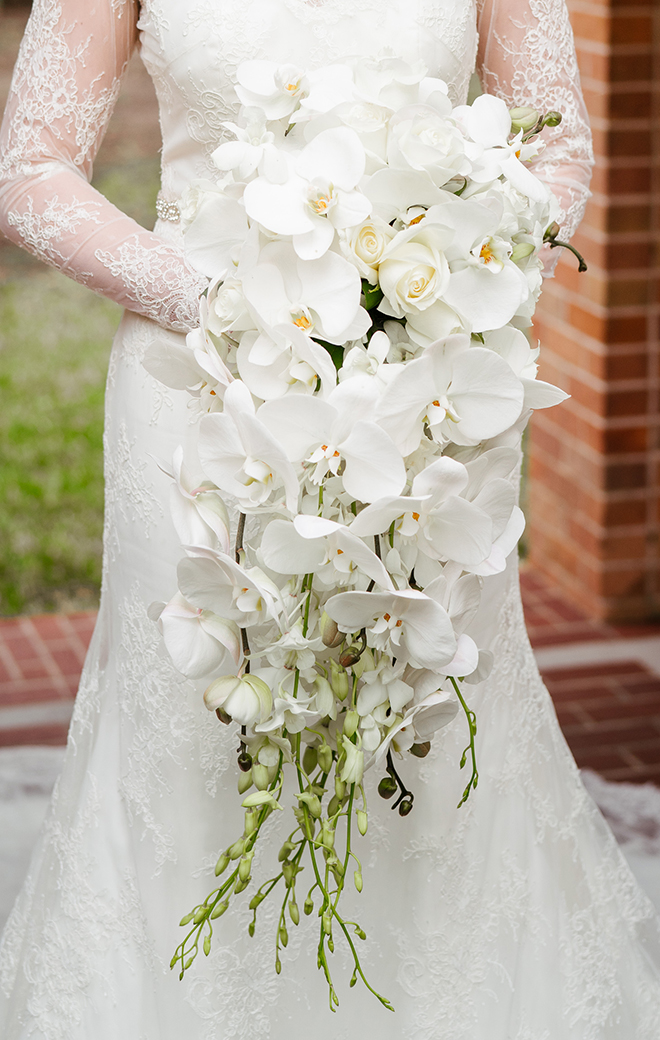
[69, 72]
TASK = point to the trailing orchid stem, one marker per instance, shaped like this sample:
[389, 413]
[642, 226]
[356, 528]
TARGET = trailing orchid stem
[472, 724]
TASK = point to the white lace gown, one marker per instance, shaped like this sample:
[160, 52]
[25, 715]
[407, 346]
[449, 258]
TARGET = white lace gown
[515, 918]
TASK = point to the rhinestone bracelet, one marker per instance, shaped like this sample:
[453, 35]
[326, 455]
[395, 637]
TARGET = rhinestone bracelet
[167, 210]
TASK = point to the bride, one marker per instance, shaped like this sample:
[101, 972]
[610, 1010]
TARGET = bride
[515, 918]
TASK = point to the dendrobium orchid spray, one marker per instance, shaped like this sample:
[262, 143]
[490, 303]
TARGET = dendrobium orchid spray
[361, 378]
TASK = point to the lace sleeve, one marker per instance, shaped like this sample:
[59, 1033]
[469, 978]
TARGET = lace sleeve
[527, 56]
[64, 88]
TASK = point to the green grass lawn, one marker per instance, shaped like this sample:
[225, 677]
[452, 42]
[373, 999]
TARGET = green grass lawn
[55, 338]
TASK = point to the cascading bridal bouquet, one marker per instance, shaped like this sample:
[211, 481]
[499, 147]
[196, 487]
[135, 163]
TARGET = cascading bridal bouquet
[362, 382]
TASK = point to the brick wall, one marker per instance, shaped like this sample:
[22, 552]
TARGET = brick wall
[595, 461]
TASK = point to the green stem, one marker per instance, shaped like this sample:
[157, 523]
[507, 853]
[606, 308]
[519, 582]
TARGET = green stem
[472, 724]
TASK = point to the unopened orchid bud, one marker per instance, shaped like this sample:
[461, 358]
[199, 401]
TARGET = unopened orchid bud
[334, 805]
[257, 900]
[244, 761]
[326, 923]
[241, 885]
[324, 755]
[283, 935]
[330, 634]
[350, 656]
[309, 759]
[388, 787]
[357, 878]
[338, 681]
[251, 929]
[340, 788]
[288, 872]
[237, 849]
[201, 914]
[287, 848]
[245, 866]
[244, 782]
[309, 906]
[207, 945]
[260, 776]
[552, 119]
[327, 837]
[405, 807]
[251, 821]
[222, 864]
[247, 700]
[278, 966]
[220, 909]
[351, 722]
[521, 251]
[360, 932]
[294, 913]
[524, 118]
[362, 821]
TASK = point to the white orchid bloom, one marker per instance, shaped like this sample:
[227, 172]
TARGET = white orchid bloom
[512, 345]
[275, 89]
[294, 650]
[327, 549]
[419, 723]
[243, 457]
[370, 361]
[485, 287]
[253, 142]
[284, 361]
[442, 523]
[319, 196]
[384, 685]
[464, 394]
[399, 196]
[326, 89]
[198, 641]
[321, 297]
[324, 435]
[195, 366]
[353, 768]
[492, 486]
[291, 713]
[487, 121]
[390, 81]
[216, 234]
[199, 515]
[247, 700]
[215, 582]
[408, 624]
[266, 748]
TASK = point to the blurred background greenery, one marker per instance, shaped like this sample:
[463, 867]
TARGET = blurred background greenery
[55, 338]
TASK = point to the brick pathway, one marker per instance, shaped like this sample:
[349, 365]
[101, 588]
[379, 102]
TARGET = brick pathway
[609, 710]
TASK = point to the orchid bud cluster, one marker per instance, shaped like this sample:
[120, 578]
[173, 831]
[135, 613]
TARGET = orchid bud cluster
[361, 382]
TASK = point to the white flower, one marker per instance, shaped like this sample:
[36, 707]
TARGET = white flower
[275, 89]
[292, 713]
[284, 360]
[424, 138]
[253, 141]
[370, 361]
[198, 512]
[364, 246]
[353, 767]
[407, 624]
[227, 308]
[318, 197]
[419, 723]
[197, 640]
[384, 685]
[321, 297]
[247, 700]
[413, 271]
[465, 394]
[243, 458]
[313, 545]
[216, 234]
[512, 345]
[215, 582]
[325, 435]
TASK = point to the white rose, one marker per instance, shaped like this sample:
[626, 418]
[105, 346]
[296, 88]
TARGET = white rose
[413, 271]
[364, 246]
[227, 308]
[422, 139]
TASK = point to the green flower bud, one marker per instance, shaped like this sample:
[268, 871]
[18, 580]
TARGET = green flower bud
[309, 906]
[552, 119]
[524, 118]
[244, 761]
[340, 788]
[405, 807]
[251, 929]
[260, 776]
[361, 934]
[288, 872]
[350, 656]
[244, 782]
[326, 924]
[331, 944]
[310, 759]
[362, 821]
[285, 850]
[237, 849]
[330, 634]
[245, 866]
[201, 914]
[188, 963]
[278, 966]
[338, 681]
[521, 251]
[388, 787]
[312, 802]
[283, 936]
[327, 837]
[294, 913]
[186, 920]
[222, 864]
[334, 806]
[220, 909]
[324, 755]
[207, 945]
[241, 885]
[351, 722]
[353, 981]
[256, 900]
[251, 822]
[357, 877]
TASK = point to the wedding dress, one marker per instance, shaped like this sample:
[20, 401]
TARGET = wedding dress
[513, 918]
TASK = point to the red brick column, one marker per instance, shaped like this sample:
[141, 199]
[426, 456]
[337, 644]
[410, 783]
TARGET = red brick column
[595, 461]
